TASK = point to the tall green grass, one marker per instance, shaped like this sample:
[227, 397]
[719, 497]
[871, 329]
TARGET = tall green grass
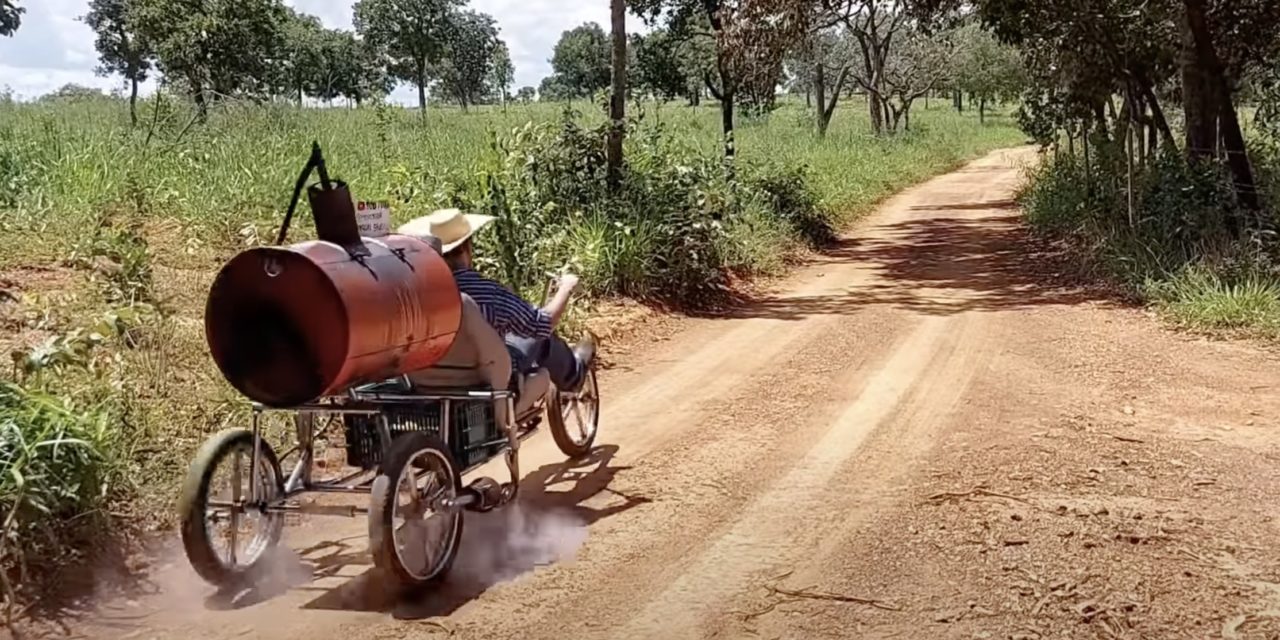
[68, 163]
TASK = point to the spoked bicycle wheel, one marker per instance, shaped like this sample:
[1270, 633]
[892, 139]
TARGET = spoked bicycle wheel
[227, 528]
[413, 532]
[574, 418]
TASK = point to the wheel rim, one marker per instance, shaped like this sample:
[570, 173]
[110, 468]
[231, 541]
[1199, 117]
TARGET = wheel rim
[423, 531]
[580, 411]
[237, 523]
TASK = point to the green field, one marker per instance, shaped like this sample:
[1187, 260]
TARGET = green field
[64, 164]
[110, 235]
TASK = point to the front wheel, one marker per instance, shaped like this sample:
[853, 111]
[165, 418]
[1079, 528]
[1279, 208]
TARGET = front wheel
[227, 526]
[574, 418]
[414, 530]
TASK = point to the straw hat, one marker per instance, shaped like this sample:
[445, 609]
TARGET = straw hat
[451, 226]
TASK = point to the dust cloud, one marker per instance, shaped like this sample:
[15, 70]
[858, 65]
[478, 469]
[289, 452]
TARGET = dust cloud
[504, 544]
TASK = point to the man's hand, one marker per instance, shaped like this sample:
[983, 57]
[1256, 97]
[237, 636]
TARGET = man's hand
[569, 282]
[560, 301]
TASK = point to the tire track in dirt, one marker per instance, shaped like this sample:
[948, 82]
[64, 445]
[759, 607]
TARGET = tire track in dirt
[763, 537]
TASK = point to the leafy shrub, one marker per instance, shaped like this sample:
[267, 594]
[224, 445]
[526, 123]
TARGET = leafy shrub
[120, 256]
[1180, 213]
[791, 195]
[55, 475]
[675, 229]
[1185, 244]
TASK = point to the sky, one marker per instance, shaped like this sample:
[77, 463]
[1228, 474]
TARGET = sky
[53, 47]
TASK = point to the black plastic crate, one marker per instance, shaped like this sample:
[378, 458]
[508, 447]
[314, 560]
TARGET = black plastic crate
[474, 436]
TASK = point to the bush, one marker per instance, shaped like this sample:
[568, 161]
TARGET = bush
[1186, 245]
[675, 229]
[56, 472]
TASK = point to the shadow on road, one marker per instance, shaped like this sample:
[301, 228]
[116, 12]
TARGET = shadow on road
[940, 265]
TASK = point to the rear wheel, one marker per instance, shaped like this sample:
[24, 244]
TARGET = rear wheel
[413, 530]
[227, 529]
[574, 418]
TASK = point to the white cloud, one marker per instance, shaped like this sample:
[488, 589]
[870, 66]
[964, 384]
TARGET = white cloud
[53, 47]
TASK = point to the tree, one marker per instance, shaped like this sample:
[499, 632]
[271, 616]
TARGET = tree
[357, 68]
[874, 25]
[659, 69]
[553, 88]
[750, 39]
[72, 92]
[120, 50]
[984, 68]
[10, 17]
[824, 60]
[502, 72]
[1080, 54]
[697, 56]
[302, 63]
[581, 60]
[221, 46]
[618, 99]
[413, 35]
[916, 65]
[525, 95]
[465, 70]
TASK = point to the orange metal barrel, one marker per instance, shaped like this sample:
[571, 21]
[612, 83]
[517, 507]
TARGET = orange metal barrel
[288, 325]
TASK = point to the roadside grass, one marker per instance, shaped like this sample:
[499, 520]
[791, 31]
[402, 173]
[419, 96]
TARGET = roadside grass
[1173, 249]
[1201, 300]
[111, 354]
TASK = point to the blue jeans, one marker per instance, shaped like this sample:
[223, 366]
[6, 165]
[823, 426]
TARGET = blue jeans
[552, 354]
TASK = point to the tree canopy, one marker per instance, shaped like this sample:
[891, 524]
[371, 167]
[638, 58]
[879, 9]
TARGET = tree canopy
[502, 72]
[581, 60]
[10, 17]
[227, 48]
[411, 35]
[465, 71]
[120, 51]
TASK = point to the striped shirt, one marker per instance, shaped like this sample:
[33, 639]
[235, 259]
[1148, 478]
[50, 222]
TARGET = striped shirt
[506, 312]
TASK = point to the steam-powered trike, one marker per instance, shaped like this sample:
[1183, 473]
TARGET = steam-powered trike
[365, 340]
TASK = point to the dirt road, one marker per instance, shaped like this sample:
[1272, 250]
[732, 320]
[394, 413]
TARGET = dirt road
[923, 434]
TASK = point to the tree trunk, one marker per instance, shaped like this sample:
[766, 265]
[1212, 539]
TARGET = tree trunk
[726, 120]
[1161, 124]
[820, 88]
[422, 89]
[1197, 98]
[982, 111]
[958, 99]
[1207, 67]
[878, 116]
[133, 101]
[202, 104]
[618, 102]
[827, 106]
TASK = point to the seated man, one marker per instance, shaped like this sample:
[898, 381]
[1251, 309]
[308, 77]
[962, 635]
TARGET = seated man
[529, 331]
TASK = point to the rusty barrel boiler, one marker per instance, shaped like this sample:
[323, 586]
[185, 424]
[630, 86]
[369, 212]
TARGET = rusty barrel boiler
[288, 325]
